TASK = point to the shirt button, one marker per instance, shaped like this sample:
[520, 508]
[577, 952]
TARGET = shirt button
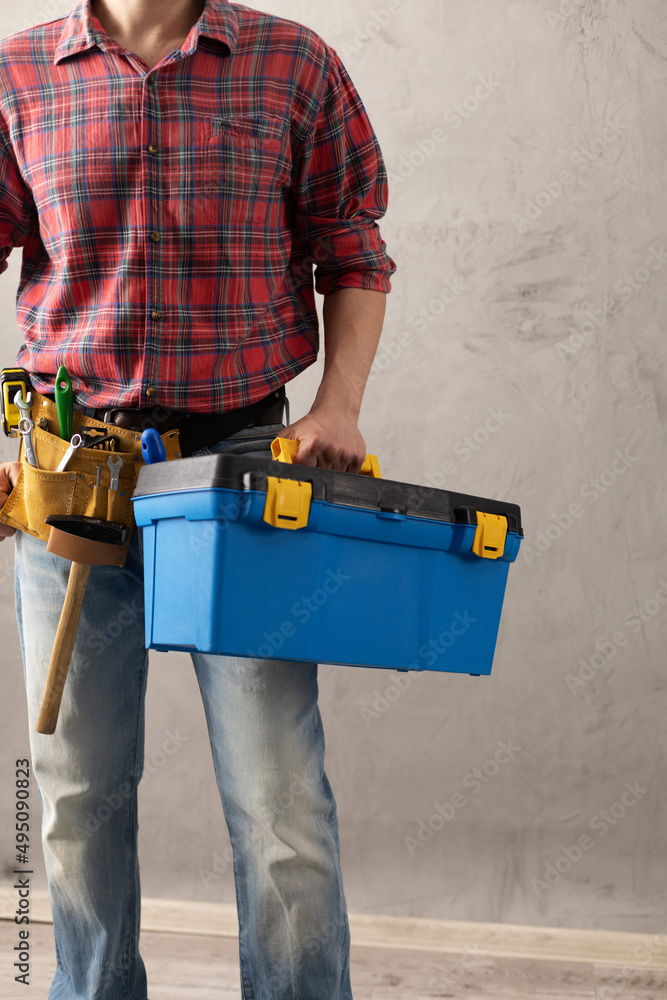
[150, 79]
[156, 237]
[150, 391]
[153, 148]
[156, 314]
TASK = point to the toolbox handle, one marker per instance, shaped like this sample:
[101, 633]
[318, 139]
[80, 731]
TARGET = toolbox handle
[285, 450]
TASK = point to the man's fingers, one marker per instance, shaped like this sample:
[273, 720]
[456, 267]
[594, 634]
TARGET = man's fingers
[355, 465]
[306, 455]
[327, 458]
[316, 454]
[9, 474]
[5, 530]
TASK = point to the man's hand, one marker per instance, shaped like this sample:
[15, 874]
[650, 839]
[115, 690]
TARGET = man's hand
[328, 439]
[9, 474]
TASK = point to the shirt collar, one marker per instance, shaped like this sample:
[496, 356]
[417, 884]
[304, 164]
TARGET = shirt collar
[218, 21]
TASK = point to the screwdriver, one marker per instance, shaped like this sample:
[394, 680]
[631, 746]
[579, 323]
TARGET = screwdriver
[152, 447]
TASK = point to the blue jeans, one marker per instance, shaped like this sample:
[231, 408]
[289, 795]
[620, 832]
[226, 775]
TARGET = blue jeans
[267, 742]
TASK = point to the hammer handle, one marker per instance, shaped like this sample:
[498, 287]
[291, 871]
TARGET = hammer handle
[63, 648]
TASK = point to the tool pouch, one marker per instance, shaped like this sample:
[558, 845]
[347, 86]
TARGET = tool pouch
[41, 492]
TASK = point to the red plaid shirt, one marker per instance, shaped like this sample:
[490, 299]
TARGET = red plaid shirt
[170, 219]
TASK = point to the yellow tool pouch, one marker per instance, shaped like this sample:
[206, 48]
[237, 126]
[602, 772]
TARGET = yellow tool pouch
[42, 492]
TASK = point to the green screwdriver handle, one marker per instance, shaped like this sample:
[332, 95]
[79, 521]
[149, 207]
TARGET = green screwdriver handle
[64, 402]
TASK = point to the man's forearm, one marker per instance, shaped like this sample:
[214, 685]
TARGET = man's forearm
[353, 319]
[329, 434]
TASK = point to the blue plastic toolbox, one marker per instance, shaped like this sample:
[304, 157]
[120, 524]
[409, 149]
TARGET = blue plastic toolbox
[262, 558]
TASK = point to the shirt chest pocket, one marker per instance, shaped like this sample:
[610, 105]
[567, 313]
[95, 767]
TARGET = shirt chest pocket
[245, 164]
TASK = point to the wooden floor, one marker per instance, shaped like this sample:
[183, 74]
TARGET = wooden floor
[181, 967]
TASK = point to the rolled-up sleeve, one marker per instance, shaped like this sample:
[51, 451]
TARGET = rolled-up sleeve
[340, 190]
[15, 213]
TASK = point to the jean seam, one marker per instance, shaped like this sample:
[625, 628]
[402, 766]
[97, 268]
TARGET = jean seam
[247, 991]
[132, 932]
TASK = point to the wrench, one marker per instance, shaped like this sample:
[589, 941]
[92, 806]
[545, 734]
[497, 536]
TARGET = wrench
[25, 430]
[75, 443]
[115, 463]
[26, 425]
[24, 405]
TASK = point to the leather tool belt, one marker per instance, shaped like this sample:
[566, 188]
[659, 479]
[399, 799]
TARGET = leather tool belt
[196, 430]
[41, 491]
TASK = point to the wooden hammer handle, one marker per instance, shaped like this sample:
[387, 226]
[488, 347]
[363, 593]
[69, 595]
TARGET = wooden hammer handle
[63, 648]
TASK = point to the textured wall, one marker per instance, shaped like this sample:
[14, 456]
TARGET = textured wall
[523, 358]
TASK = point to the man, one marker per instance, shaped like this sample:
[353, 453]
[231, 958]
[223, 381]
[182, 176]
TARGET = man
[173, 169]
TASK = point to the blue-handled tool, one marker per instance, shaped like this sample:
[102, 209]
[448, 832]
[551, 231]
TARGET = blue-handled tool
[152, 447]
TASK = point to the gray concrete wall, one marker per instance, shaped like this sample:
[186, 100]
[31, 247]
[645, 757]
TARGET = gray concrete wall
[539, 302]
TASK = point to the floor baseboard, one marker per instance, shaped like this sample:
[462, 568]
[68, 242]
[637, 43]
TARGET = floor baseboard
[368, 930]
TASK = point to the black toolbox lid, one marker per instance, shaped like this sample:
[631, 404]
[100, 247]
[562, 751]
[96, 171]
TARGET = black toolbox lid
[242, 472]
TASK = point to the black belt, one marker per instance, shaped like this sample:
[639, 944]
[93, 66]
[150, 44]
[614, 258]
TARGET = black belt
[196, 430]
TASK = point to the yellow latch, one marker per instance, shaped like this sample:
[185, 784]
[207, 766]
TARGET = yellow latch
[371, 467]
[287, 502]
[490, 536]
